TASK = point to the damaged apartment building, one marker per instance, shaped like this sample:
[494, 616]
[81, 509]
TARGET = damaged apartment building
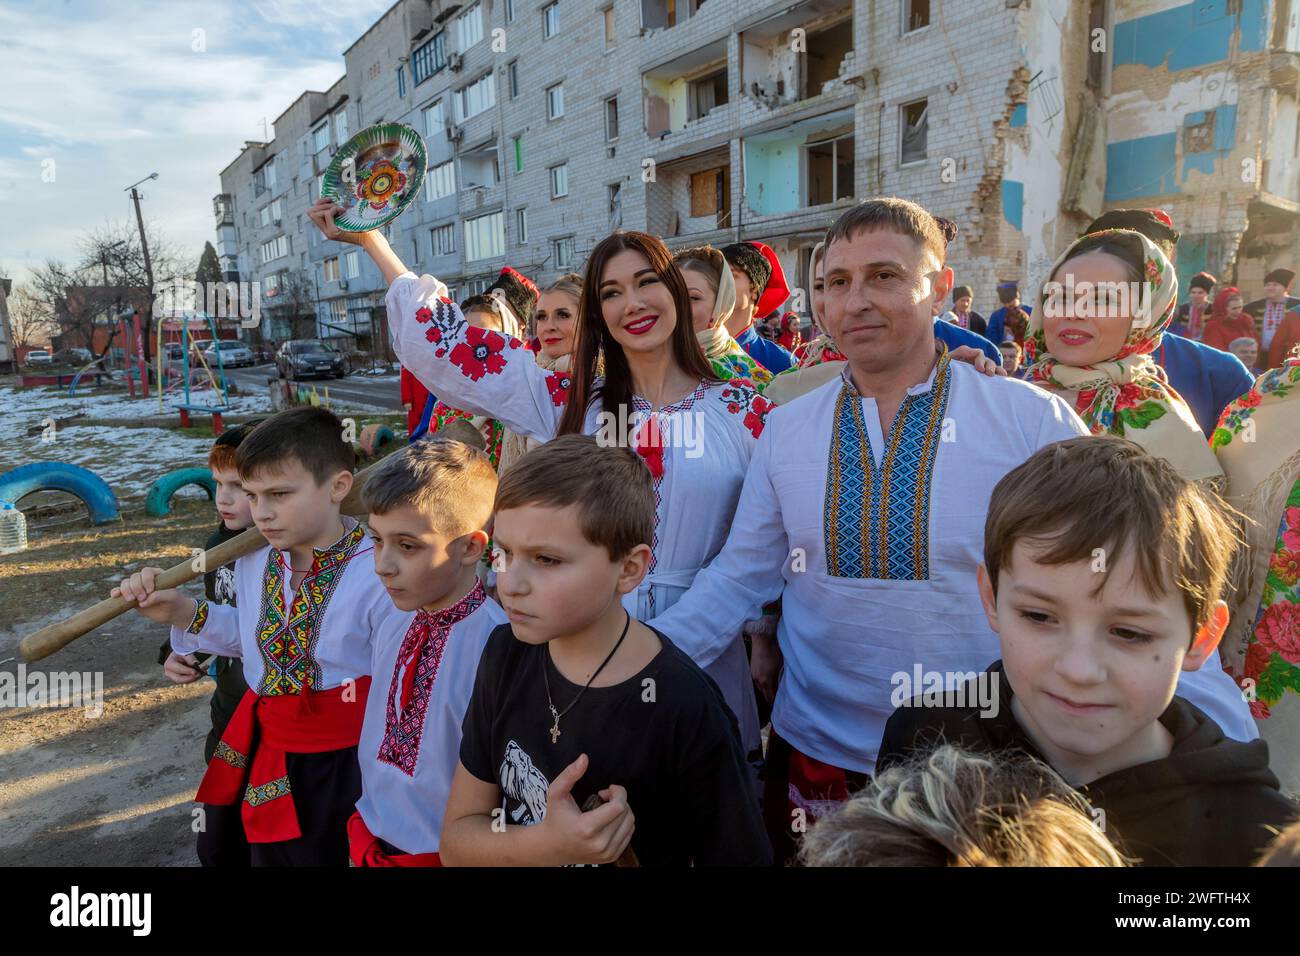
[548, 124]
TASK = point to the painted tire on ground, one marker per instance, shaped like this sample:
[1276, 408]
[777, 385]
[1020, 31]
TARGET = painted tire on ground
[374, 437]
[58, 476]
[158, 499]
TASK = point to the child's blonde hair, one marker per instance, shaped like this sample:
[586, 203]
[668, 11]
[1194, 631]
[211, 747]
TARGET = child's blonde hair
[950, 807]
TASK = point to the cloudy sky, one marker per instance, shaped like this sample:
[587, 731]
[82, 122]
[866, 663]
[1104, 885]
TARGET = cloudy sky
[98, 94]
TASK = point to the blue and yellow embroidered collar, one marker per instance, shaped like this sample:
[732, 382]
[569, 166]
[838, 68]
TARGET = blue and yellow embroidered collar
[877, 520]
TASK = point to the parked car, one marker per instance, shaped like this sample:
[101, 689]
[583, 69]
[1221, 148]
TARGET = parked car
[233, 353]
[301, 358]
[39, 357]
[72, 356]
[173, 351]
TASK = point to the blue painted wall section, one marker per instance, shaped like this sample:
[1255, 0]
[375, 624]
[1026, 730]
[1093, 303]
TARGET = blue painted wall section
[1013, 203]
[1225, 137]
[1191, 35]
[1142, 167]
[1020, 115]
[1192, 257]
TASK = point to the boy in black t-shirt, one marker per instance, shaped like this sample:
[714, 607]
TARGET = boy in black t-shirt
[577, 704]
[221, 841]
[1102, 575]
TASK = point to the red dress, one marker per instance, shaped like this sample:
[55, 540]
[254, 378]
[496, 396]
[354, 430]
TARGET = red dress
[1222, 331]
[414, 396]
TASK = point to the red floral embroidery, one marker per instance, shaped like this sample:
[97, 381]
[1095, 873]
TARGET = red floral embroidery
[1249, 400]
[1279, 629]
[558, 383]
[1286, 565]
[480, 353]
[741, 396]
[433, 334]
[757, 417]
[423, 314]
[1259, 710]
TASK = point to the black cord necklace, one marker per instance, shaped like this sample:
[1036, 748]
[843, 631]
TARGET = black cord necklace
[556, 715]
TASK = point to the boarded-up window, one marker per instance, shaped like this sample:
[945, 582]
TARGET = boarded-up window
[706, 192]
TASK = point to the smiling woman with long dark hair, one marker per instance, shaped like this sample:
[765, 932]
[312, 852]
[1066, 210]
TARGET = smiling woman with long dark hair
[658, 394]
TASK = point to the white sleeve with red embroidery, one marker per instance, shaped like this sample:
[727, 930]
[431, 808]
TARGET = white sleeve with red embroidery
[746, 574]
[214, 629]
[481, 371]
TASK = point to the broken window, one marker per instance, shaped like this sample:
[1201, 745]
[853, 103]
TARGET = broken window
[614, 197]
[826, 51]
[830, 170]
[916, 14]
[706, 93]
[611, 118]
[1198, 137]
[915, 126]
[659, 14]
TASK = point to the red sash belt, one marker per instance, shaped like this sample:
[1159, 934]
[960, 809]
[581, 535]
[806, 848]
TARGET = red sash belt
[250, 759]
[365, 849]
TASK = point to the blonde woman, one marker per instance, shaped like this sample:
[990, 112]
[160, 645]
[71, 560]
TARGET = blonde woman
[554, 322]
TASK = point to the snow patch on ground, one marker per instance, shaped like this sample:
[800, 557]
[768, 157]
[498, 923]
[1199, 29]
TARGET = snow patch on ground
[129, 459]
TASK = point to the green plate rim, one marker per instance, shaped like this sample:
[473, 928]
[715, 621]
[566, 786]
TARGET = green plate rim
[330, 179]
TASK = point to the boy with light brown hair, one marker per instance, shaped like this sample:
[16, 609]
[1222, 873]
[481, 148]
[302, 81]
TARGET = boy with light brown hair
[1102, 576]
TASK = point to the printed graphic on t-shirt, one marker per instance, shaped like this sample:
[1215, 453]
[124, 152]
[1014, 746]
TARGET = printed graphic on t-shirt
[524, 787]
[223, 585]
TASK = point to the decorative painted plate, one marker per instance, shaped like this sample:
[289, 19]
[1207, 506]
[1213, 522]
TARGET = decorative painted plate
[375, 175]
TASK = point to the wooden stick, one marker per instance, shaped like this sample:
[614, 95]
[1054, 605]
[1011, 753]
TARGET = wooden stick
[51, 638]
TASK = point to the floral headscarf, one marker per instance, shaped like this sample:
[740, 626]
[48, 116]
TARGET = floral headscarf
[1258, 443]
[725, 354]
[1128, 394]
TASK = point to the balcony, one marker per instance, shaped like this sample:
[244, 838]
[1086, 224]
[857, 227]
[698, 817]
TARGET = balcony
[691, 197]
[686, 90]
[223, 209]
[804, 53]
[797, 167]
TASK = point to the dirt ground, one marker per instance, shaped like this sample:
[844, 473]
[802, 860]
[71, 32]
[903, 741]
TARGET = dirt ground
[114, 789]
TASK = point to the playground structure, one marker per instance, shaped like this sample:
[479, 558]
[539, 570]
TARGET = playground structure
[217, 382]
[158, 499]
[101, 502]
[82, 483]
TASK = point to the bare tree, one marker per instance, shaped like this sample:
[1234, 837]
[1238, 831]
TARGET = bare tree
[113, 251]
[30, 321]
[295, 304]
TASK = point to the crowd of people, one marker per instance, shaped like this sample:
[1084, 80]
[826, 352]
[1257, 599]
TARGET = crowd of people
[654, 585]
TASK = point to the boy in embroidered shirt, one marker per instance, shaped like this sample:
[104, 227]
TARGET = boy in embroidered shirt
[430, 505]
[221, 841]
[1102, 574]
[589, 732]
[290, 750]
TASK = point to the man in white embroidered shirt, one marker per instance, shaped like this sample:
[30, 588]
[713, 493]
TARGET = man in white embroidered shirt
[863, 510]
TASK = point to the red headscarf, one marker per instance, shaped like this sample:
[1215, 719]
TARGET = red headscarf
[1220, 308]
[789, 338]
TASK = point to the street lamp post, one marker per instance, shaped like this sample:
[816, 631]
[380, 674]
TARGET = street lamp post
[148, 271]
